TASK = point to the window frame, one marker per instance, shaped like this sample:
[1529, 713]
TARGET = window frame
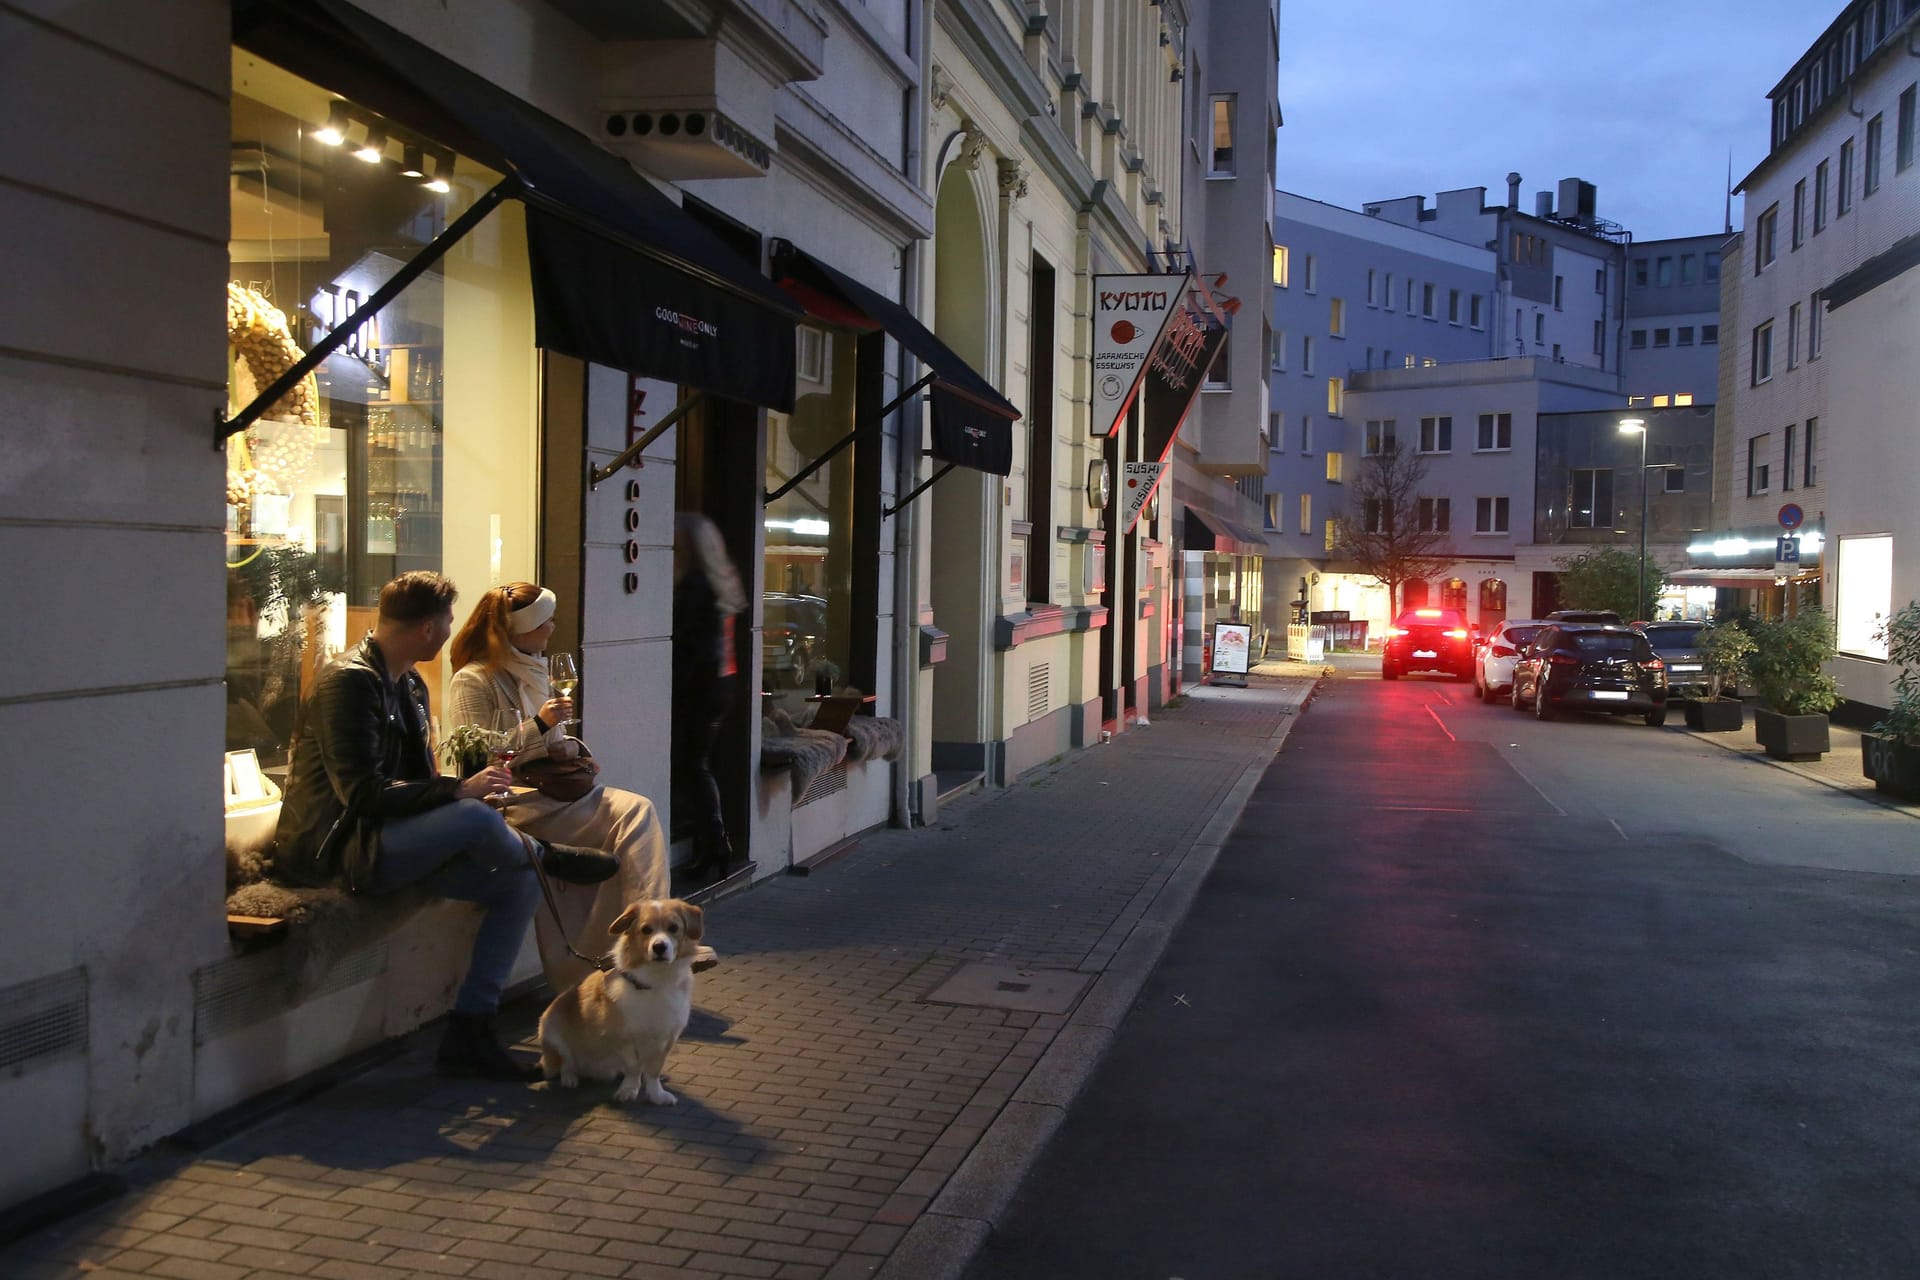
[1766, 229]
[1492, 517]
[1843, 186]
[1282, 266]
[1762, 370]
[1436, 434]
[1498, 428]
[1821, 177]
[1870, 154]
[1759, 464]
[1230, 102]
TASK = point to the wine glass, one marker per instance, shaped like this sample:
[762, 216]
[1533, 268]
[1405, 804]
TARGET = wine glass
[501, 735]
[564, 672]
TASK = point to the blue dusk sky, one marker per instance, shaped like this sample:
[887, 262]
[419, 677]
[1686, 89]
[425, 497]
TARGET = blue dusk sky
[1643, 98]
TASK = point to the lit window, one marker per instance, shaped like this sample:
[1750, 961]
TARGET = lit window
[1863, 594]
[1306, 513]
[1683, 398]
[1337, 317]
[1222, 136]
[1336, 463]
[1336, 396]
[1661, 402]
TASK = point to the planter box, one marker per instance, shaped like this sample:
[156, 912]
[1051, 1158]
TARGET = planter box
[1893, 765]
[1714, 715]
[1791, 737]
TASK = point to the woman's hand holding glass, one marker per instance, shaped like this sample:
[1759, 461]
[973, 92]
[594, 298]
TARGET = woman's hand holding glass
[556, 712]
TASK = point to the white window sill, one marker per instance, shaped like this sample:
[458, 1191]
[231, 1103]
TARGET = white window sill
[1503, 449]
[1492, 533]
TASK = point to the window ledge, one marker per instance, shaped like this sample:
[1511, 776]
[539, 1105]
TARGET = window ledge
[1013, 630]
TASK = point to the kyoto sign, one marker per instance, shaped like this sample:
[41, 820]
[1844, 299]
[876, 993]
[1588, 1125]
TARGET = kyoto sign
[1129, 314]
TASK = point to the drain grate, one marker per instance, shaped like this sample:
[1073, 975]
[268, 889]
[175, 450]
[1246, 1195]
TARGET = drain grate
[1012, 986]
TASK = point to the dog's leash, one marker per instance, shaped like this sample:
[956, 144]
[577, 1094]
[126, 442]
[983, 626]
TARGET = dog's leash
[605, 963]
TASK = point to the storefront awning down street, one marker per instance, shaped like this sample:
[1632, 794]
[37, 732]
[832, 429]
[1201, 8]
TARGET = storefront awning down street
[972, 422]
[1222, 537]
[1738, 579]
[621, 275]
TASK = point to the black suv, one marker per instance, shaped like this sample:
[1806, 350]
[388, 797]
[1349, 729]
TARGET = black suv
[1678, 644]
[1574, 666]
[1428, 640]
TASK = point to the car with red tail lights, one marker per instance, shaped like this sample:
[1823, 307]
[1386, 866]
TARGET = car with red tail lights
[1611, 670]
[1428, 640]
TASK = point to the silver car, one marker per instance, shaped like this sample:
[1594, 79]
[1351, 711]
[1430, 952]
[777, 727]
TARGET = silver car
[1678, 644]
[1494, 656]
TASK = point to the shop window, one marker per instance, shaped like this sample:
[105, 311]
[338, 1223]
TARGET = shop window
[810, 574]
[413, 446]
[1863, 594]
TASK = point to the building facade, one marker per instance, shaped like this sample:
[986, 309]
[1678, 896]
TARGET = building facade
[546, 274]
[1838, 190]
[1673, 321]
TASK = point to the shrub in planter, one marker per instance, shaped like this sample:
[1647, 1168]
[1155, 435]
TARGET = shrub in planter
[1890, 754]
[1725, 651]
[1788, 666]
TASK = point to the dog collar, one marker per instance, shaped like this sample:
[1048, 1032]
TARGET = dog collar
[637, 984]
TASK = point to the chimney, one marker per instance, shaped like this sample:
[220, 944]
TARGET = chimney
[1543, 204]
[1513, 192]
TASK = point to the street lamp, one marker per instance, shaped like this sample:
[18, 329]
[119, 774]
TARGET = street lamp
[1637, 426]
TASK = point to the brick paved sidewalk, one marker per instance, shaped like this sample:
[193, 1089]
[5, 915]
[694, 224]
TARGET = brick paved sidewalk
[824, 1103]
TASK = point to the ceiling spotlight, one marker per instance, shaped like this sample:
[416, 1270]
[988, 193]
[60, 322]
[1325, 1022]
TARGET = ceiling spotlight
[442, 170]
[412, 166]
[334, 131]
[374, 150]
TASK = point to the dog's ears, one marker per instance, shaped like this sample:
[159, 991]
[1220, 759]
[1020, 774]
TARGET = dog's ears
[692, 921]
[624, 921]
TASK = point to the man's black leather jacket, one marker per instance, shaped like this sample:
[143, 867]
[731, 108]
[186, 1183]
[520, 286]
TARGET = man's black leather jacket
[360, 758]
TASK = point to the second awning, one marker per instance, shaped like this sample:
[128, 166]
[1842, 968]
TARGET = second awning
[1222, 537]
[972, 422]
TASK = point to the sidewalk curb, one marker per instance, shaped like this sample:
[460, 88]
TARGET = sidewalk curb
[944, 1240]
[1867, 793]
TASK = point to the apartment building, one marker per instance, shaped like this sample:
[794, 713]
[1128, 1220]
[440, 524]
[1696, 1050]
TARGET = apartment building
[1559, 292]
[1673, 321]
[1826, 253]
[1352, 293]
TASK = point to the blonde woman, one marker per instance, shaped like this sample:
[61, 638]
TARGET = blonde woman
[707, 596]
[500, 663]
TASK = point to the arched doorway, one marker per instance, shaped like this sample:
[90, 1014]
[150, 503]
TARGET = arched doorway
[960, 510]
[1493, 604]
[1453, 595]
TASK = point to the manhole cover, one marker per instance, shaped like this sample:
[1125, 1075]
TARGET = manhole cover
[1008, 986]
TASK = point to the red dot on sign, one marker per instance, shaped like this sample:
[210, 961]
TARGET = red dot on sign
[1123, 331]
[1133, 484]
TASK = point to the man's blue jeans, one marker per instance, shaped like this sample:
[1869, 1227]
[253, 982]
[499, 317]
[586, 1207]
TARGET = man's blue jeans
[466, 851]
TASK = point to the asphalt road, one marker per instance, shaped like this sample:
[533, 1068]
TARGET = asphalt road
[1468, 995]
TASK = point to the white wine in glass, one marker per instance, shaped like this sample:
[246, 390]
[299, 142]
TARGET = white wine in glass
[564, 672]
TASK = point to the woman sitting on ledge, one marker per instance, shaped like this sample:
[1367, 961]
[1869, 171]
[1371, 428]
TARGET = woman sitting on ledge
[499, 661]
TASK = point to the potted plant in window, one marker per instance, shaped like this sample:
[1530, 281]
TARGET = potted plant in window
[1724, 651]
[1788, 666]
[1890, 754]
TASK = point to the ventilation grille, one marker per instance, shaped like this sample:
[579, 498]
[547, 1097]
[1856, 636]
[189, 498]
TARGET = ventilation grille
[1039, 678]
[246, 990]
[43, 1020]
[826, 784]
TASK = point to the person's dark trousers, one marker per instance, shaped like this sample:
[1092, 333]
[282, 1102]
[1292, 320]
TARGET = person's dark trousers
[695, 732]
[466, 851]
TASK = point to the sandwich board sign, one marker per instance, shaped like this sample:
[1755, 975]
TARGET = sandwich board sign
[1232, 643]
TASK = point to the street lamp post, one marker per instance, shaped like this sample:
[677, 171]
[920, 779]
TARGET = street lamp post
[1636, 426]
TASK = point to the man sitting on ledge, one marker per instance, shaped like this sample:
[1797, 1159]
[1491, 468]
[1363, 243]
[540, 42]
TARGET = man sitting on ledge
[366, 809]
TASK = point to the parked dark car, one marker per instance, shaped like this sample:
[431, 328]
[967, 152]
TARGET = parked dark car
[1678, 644]
[1428, 640]
[794, 633]
[1575, 666]
[1586, 615]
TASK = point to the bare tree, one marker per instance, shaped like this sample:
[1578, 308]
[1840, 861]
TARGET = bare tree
[1380, 532]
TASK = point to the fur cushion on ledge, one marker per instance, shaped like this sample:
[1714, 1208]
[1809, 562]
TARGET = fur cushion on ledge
[323, 925]
[874, 738]
[807, 752]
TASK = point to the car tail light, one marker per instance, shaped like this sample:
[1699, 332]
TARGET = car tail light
[1426, 613]
[1456, 635]
[1396, 631]
[1501, 651]
[1654, 664]
[1563, 660]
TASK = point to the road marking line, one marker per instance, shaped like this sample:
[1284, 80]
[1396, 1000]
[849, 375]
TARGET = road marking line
[1622, 830]
[1442, 723]
[1518, 772]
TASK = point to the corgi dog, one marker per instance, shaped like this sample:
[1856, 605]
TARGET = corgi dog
[625, 1021]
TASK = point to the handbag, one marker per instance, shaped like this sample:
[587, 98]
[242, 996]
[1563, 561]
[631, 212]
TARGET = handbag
[565, 778]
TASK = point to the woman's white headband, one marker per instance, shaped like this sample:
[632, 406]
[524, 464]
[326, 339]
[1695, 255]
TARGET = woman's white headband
[533, 614]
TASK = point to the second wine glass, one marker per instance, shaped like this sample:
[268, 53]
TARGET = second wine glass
[502, 741]
[564, 674]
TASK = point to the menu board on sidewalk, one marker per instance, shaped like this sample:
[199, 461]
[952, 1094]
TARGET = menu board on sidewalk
[1231, 644]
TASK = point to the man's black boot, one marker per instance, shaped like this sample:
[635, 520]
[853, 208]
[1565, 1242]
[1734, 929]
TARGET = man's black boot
[576, 865]
[469, 1049]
